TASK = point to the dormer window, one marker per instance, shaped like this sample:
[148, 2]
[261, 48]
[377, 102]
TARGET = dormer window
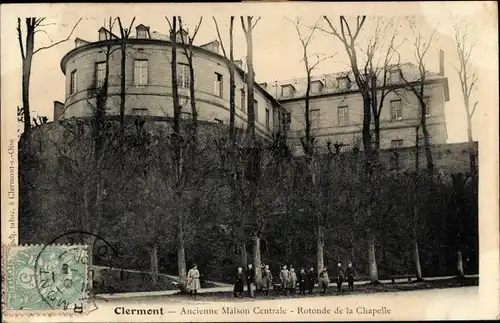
[105, 34]
[287, 90]
[344, 82]
[102, 34]
[316, 87]
[182, 37]
[141, 31]
[395, 76]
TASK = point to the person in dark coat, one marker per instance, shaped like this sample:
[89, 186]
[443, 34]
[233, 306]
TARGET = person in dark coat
[250, 279]
[351, 275]
[340, 277]
[302, 280]
[267, 279]
[311, 280]
[239, 283]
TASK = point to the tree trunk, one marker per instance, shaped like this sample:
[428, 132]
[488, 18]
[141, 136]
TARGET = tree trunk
[250, 83]
[26, 70]
[425, 132]
[257, 261]
[243, 254]
[460, 264]
[192, 93]
[154, 264]
[181, 252]
[372, 261]
[232, 88]
[352, 249]
[122, 83]
[416, 259]
[366, 134]
[320, 246]
[376, 120]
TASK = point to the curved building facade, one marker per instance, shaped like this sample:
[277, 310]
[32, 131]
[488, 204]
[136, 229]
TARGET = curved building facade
[149, 84]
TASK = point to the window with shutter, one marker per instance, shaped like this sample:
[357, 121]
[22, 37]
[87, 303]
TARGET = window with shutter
[343, 116]
[140, 72]
[315, 117]
[100, 74]
[72, 85]
[268, 126]
[183, 76]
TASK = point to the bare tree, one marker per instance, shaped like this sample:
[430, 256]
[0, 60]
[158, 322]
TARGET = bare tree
[124, 36]
[27, 47]
[417, 86]
[231, 148]
[348, 36]
[253, 152]
[468, 79]
[311, 61]
[380, 52]
[177, 144]
[188, 52]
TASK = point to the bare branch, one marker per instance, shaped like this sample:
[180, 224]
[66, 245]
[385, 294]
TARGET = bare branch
[473, 109]
[220, 38]
[61, 41]
[20, 37]
[255, 23]
[243, 25]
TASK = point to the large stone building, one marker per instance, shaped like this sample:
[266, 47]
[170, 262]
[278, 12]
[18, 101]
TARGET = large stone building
[336, 107]
[148, 81]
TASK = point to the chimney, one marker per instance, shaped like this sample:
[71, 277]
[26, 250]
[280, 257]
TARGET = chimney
[58, 110]
[238, 63]
[441, 63]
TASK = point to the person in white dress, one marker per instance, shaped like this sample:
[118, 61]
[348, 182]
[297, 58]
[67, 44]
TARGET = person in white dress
[193, 281]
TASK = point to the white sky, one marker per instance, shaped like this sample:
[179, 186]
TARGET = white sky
[277, 50]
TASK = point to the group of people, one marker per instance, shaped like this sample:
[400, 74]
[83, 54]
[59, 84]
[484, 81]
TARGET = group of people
[289, 280]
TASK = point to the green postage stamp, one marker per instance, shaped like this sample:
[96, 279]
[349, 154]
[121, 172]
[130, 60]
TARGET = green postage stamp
[40, 279]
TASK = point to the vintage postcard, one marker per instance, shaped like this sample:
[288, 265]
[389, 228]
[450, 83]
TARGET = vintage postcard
[249, 162]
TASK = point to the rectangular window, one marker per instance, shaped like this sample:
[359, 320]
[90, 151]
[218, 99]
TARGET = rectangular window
[286, 90]
[218, 85]
[183, 76]
[395, 77]
[398, 143]
[268, 126]
[286, 120]
[316, 87]
[427, 102]
[100, 74]
[343, 116]
[140, 72]
[243, 100]
[343, 82]
[72, 84]
[256, 110]
[396, 110]
[139, 111]
[315, 116]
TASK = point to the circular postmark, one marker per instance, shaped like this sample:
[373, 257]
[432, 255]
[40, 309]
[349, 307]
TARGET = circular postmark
[62, 275]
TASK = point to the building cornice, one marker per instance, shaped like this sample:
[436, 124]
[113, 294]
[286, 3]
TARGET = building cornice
[443, 80]
[160, 42]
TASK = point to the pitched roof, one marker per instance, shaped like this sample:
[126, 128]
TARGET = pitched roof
[331, 82]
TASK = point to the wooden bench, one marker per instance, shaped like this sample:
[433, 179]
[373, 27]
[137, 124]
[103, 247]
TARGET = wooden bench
[408, 276]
